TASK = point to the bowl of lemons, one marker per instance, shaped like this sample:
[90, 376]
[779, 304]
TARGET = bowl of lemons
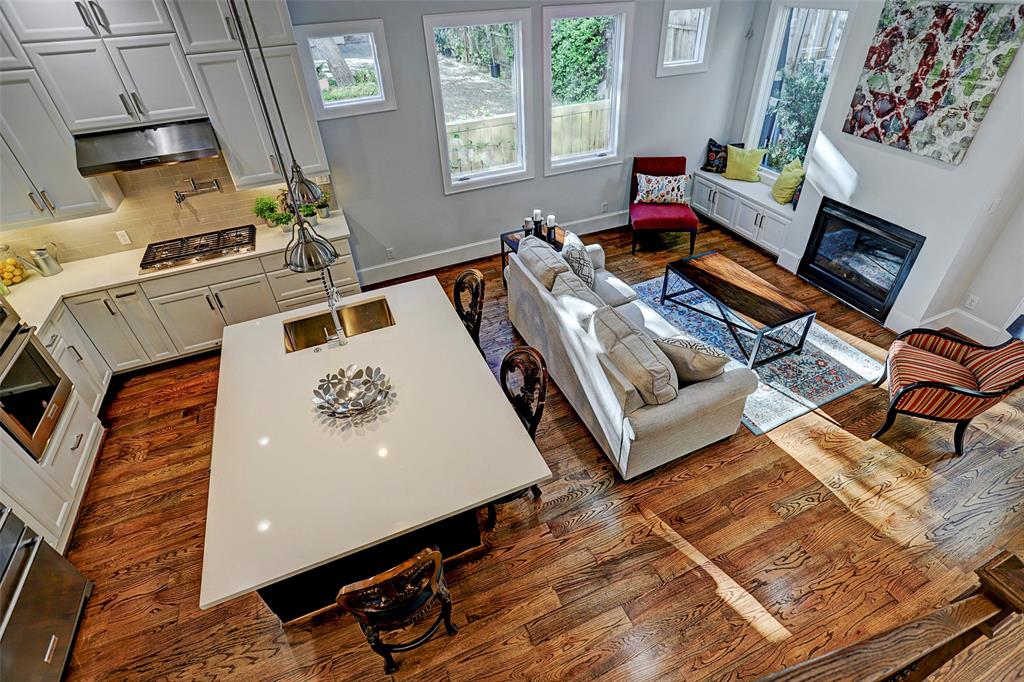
[12, 273]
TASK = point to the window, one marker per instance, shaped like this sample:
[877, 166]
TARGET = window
[796, 68]
[686, 30]
[586, 48]
[479, 65]
[346, 67]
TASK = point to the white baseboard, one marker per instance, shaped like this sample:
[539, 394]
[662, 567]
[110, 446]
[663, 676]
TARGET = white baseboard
[967, 324]
[789, 260]
[481, 249]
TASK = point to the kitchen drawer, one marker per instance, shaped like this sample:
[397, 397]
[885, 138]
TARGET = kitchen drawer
[203, 277]
[67, 454]
[275, 261]
[24, 483]
[287, 284]
[313, 299]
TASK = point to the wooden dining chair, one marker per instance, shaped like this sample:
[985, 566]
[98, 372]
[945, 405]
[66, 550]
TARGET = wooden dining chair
[469, 302]
[397, 598]
[524, 379]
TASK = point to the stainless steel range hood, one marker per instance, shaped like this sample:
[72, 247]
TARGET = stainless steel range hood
[162, 145]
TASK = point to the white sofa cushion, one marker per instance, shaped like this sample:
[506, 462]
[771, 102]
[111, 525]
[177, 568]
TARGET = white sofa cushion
[636, 356]
[541, 260]
[693, 359]
[611, 289]
[575, 254]
[575, 298]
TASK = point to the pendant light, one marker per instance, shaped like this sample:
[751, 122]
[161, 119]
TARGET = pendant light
[307, 251]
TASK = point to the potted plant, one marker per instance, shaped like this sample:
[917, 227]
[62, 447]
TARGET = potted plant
[308, 211]
[284, 203]
[265, 208]
[323, 206]
[284, 220]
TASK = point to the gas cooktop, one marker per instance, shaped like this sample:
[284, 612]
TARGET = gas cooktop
[199, 247]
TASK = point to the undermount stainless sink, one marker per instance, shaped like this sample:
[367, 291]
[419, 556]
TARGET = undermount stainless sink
[356, 318]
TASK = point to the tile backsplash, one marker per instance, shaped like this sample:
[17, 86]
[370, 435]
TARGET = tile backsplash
[149, 213]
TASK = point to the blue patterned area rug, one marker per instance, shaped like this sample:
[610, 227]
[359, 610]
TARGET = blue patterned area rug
[828, 367]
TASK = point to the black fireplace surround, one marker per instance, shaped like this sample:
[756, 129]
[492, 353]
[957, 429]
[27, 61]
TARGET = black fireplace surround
[858, 257]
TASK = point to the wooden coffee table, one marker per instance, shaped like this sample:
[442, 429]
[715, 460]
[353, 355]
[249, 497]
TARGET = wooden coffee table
[749, 305]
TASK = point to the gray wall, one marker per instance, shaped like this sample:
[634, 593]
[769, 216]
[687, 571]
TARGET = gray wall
[386, 166]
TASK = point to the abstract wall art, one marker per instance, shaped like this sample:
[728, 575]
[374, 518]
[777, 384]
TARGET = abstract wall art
[932, 72]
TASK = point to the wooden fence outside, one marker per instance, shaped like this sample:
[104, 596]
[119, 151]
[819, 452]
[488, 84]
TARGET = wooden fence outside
[490, 143]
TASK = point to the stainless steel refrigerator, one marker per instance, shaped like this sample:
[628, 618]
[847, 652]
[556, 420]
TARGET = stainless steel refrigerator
[41, 601]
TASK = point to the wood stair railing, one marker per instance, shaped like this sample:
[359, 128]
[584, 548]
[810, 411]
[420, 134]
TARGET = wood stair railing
[913, 651]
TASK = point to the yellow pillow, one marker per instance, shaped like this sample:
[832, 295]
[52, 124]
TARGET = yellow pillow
[742, 164]
[789, 179]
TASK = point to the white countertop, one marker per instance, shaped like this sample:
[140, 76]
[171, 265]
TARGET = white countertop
[35, 298]
[288, 492]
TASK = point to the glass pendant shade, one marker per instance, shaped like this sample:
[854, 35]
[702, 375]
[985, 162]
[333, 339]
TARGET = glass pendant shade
[309, 252]
[303, 189]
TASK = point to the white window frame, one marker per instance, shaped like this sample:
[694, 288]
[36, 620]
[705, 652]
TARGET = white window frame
[704, 41]
[524, 53]
[625, 12]
[769, 55]
[366, 105]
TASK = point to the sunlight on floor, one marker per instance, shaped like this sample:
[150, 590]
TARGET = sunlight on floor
[744, 603]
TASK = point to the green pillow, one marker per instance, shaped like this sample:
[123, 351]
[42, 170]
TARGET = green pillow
[790, 177]
[742, 164]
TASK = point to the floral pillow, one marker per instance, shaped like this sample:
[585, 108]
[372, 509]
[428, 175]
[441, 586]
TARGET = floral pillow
[660, 189]
[717, 156]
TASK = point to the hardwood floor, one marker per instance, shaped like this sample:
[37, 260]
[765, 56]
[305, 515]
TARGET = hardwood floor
[747, 556]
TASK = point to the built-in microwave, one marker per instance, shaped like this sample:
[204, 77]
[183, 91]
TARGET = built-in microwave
[33, 389]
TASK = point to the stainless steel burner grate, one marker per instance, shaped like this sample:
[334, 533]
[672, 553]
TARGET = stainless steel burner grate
[199, 247]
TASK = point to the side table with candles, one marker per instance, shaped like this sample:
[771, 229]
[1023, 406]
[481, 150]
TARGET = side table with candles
[510, 244]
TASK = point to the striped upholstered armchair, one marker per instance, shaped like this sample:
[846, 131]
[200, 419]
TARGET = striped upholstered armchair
[941, 377]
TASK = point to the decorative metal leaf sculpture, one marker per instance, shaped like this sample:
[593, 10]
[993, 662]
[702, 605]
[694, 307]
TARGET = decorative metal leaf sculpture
[354, 391]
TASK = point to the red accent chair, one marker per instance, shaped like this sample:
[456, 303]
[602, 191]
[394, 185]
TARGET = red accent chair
[660, 217]
[945, 378]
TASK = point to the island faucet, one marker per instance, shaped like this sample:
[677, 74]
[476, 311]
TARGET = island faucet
[333, 304]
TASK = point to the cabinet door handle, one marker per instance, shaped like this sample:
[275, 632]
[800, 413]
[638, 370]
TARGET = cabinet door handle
[137, 101]
[231, 28]
[46, 200]
[209, 302]
[86, 19]
[78, 442]
[101, 18]
[51, 648]
[311, 280]
[273, 163]
[127, 106]
[110, 310]
[51, 343]
[75, 351]
[32, 197]
[216, 295]
[124, 294]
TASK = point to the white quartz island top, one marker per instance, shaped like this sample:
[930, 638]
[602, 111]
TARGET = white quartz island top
[35, 298]
[289, 492]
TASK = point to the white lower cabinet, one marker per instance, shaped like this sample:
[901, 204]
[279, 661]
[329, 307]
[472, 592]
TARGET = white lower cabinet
[747, 216]
[244, 299]
[108, 330]
[133, 305]
[746, 208]
[191, 318]
[72, 362]
[67, 456]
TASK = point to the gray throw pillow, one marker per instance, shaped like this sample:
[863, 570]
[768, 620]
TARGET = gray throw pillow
[575, 254]
[692, 359]
[635, 355]
[541, 260]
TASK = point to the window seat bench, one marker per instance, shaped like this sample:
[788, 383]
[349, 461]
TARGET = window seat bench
[746, 208]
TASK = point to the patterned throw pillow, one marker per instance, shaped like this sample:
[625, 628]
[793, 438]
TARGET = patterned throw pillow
[716, 157]
[693, 360]
[575, 254]
[796, 195]
[660, 189]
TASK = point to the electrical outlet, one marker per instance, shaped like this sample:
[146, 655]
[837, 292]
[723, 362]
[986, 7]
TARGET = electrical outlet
[972, 301]
[389, 253]
[123, 237]
[604, 207]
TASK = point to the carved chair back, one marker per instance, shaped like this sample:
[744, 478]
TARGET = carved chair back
[469, 301]
[524, 378]
[394, 598]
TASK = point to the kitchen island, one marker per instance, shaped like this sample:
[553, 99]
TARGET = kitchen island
[300, 505]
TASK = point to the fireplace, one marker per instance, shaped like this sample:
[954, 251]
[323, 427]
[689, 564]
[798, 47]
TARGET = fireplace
[860, 258]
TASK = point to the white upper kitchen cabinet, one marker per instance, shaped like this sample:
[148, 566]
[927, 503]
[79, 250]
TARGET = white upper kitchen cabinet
[83, 82]
[39, 20]
[157, 77]
[41, 143]
[286, 73]
[207, 25]
[12, 56]
[226, 86]
[20, 203]
[130, 17]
